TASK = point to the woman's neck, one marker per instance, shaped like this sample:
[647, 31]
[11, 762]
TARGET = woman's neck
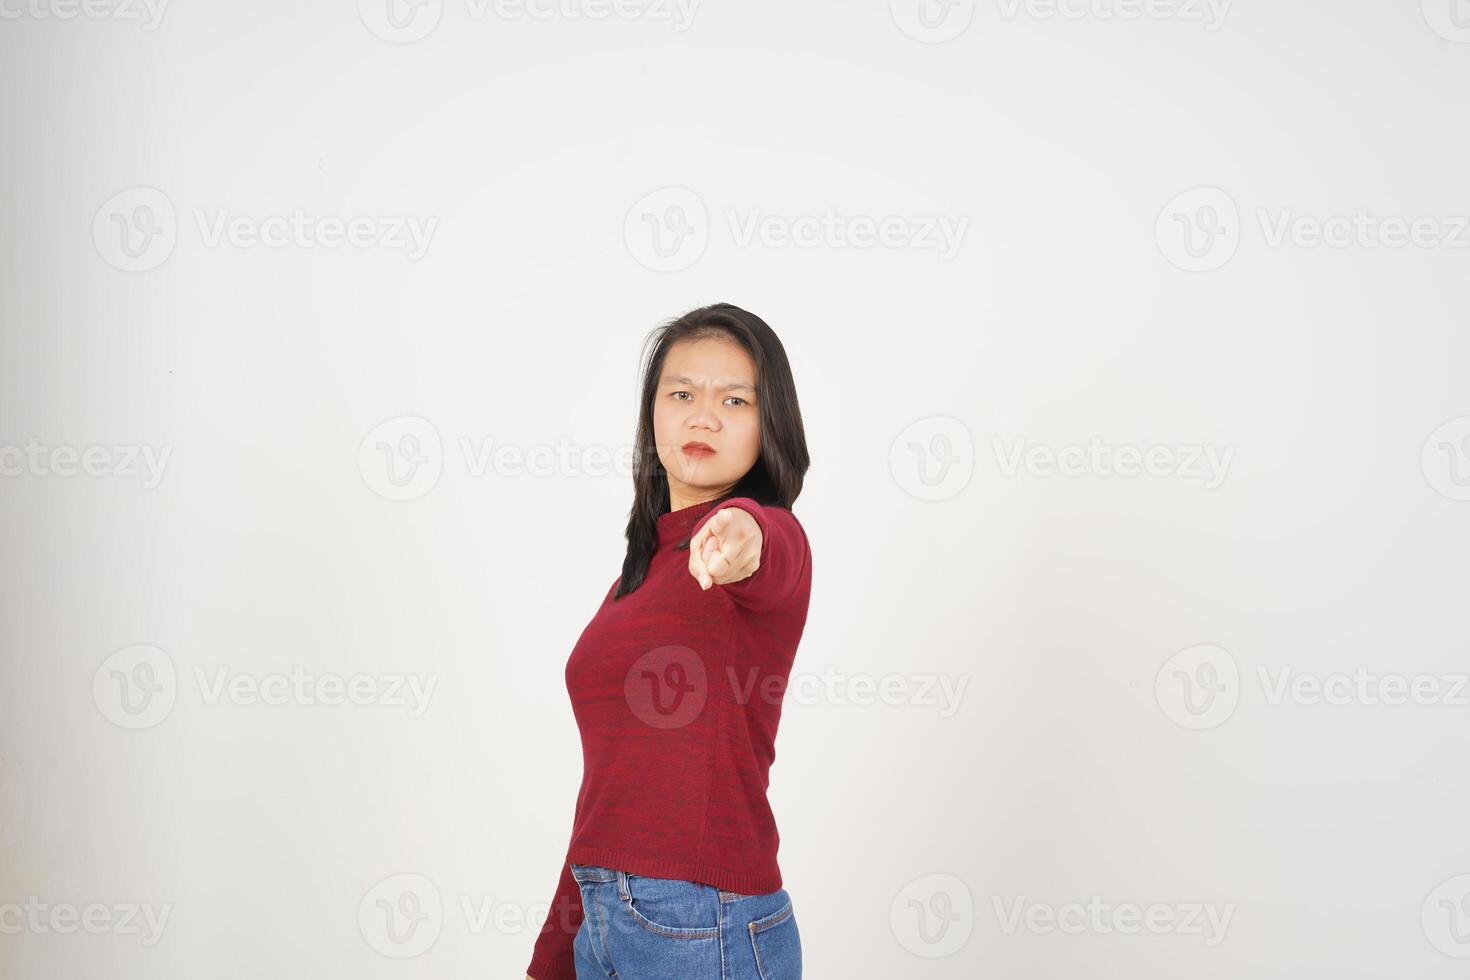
[681, 497]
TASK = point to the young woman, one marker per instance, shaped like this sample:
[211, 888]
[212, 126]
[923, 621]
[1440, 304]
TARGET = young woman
[677, 682]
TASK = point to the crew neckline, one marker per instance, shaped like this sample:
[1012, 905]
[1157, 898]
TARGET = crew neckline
[678, 523]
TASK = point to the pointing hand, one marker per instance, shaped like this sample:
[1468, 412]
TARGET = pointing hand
[726, 549]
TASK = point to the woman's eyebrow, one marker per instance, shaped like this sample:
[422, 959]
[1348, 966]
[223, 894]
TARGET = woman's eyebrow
[679, 379]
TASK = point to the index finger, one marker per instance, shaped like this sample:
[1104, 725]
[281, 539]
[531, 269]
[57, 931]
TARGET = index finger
[712, 527]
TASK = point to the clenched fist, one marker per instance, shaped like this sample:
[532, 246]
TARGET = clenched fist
[726, 549]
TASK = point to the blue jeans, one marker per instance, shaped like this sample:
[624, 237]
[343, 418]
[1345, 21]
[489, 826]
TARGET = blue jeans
[639, 928]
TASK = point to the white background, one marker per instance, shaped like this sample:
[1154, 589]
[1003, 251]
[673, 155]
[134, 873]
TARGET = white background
[1072, 766]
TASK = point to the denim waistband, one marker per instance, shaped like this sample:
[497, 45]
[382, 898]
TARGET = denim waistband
[584, 873]
[593, 872]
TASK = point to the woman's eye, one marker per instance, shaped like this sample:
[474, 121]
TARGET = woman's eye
[734, 398]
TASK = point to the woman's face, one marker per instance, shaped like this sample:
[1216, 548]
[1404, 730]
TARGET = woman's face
[706, 393]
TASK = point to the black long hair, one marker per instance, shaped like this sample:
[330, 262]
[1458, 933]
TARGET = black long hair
[776, 476]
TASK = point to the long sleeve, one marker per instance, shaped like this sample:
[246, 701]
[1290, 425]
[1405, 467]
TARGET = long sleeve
[551, 959]
[785, 557]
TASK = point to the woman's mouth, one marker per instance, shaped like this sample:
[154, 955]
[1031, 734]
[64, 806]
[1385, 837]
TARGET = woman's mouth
[698, 449]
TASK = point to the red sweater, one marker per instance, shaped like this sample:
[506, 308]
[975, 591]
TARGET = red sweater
[677, 694]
